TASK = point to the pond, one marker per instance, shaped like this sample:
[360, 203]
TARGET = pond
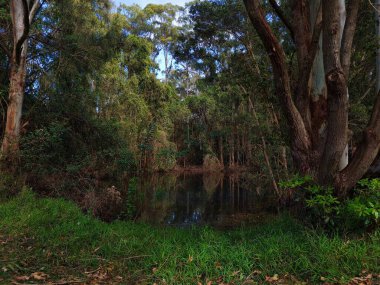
[212, 199]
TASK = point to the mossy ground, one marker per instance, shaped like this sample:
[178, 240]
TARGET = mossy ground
[53, 236]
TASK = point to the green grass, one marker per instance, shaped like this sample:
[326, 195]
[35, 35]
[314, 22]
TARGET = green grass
[54, 236]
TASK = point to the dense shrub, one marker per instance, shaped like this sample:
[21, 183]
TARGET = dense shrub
[63, 159]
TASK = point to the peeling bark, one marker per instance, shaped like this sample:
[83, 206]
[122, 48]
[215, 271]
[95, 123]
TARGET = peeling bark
[22, 14]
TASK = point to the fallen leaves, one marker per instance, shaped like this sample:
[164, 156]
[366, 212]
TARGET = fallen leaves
[39, 276]
[272, 279]
[101, 275]
[22, 278]
[366, 279]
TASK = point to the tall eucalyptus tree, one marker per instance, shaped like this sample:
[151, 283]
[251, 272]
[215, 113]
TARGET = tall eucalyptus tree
[23, 13]
[314, 152]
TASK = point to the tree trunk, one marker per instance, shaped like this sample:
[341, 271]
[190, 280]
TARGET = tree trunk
[22, 14]
[221, 155]
[377, 15]
[266, 156]
[376, 166]
[343, 162]
[16, 96]
[337, 102]
[363, 156]
[318, 83]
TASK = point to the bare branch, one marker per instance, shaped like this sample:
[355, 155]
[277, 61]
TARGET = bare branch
[19, 41]
[280, 13]
[33, 11]
[348, 35]
[365, 154]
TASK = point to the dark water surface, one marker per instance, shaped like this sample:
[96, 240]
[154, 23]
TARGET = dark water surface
[203, 199]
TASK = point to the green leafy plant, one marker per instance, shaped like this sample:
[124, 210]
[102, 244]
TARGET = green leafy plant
[364, 208]
[322, 203]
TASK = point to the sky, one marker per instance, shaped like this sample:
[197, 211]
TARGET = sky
[143, 3]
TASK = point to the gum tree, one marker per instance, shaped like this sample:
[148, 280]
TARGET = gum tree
[23, 13]
[318, 126]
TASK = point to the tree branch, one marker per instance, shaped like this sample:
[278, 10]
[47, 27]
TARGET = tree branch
[282, 16]
[19, 41]
[302, 94]
[34, 10]
[364, 155]
[348, 35]
[301, 138]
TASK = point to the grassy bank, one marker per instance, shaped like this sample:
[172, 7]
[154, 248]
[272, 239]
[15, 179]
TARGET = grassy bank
[54, 237]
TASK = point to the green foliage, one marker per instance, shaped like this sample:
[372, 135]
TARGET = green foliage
[358, 212]
[62, 158]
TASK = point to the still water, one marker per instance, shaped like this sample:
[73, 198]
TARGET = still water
[202, 199]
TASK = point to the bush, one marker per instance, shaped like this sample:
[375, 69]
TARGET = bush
[359, 211]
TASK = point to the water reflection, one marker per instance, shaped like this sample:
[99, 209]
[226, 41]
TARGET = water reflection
[215, 199]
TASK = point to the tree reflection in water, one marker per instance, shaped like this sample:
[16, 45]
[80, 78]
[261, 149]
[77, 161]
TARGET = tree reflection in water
[213, 198]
